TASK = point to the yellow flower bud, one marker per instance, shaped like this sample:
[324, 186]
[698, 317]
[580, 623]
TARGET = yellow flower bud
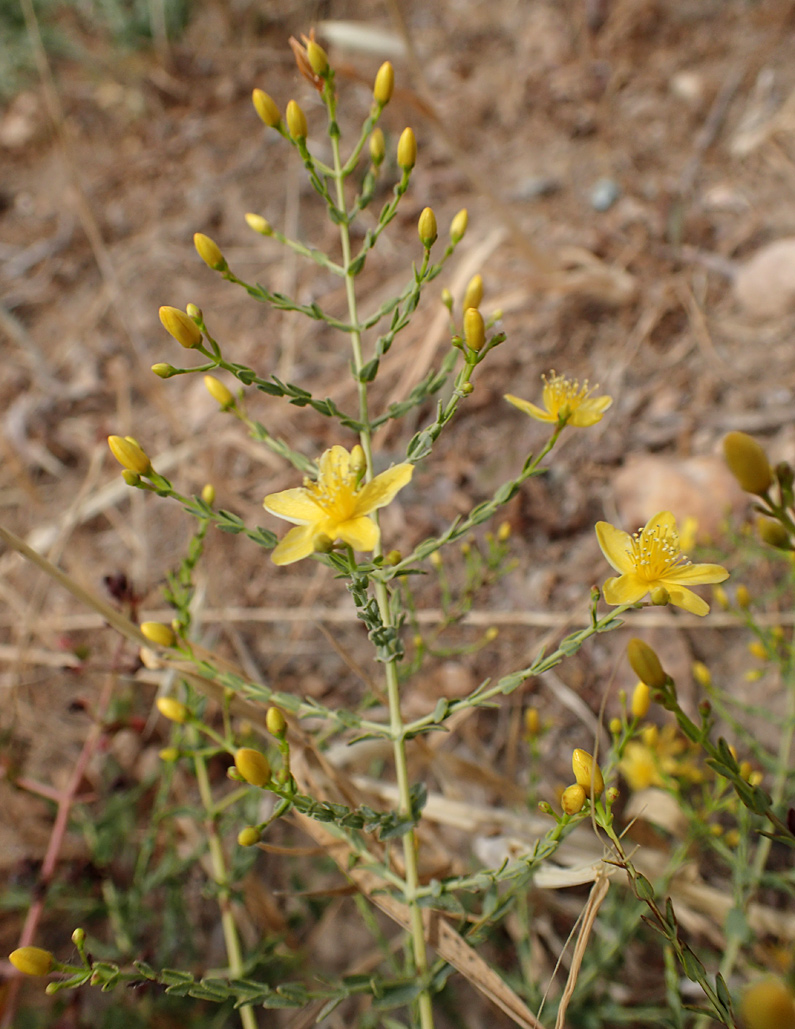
[474, 292]
[743, 597]
[259, 224]
[358, 463]
[758, 650]
[177, 324]
[641, 700]
[474, 328]
[274, 720]
[296, 121]
[532, 722]
[615, 726]
[660, 596]
[721, 597]
[407, 150]
[253, 766]
[768, 1004]
[266, 108]
[318, 58]
[747, 462]
[436, 559]
[194, 312]
[645, 664]
[504, 532]
[773, 533]
[377, 147]
[573, 798]
[248, 837]
[173, 710]
[163, 370]
[209, 251]
[427, 228]
[31, 960]
[702, 674]
[159, 634]
[458, 226]
[394, 557]
[169, 755]
[208, 494]
[218, 391]
[129, 455]
[587, 773]
[491, 633]
[384, 84]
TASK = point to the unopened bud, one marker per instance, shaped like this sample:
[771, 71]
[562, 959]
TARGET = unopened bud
[358, 463]
[169, 755]
[587, 773]
[159, 634]
[318, 58]
[474, 292]
[427, 228]
[219, 392]
[253, 766]
[266, 108]
[573, 798]
[474, 329]
[78, 937]
[747, 462]
[458, 226]
[384, 84]
[31, 960]
[646, 665]
[660, 596]
[163, 370]
[702, 674]
[394, 557]
[721, 597]
[129, 454]
[504, 532]
[377, 147]
[274, 720]
[491, 634]
[768, 1004]
[259, 224]
[532, 722]
[209, 251]
[296, 121]
[641, 700]
[208, 494]
[616, 726]
[743, 597]
[173, 710]
[248, 837]
[773, 533]
[177, 324]
[407, 150]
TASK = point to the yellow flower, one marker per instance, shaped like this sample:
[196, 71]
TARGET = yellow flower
[650, 558]
[566, 400]
[333, 507]
[31, 960]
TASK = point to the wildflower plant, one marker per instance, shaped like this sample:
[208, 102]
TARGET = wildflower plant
[270, 741]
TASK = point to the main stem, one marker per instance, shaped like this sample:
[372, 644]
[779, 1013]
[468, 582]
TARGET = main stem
[382, 598]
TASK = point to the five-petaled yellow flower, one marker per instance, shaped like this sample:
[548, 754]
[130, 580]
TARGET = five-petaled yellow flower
[334, 507]
[650, 559]
[566, 400]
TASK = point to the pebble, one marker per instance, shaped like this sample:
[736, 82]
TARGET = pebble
[604, 194]
[764, 286]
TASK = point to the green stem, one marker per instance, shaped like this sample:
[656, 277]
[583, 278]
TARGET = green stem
[382, 598]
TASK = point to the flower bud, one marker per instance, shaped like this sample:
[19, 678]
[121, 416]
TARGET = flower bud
[641, 700]
[660, 596]
[218, 391]
[177, 324]
[131, 478]
[163, 370]
[458, 226]
[159, 634]
[587, 773]
[129, 455]
[259, 224]
[384, 84]
[248, 837]
[721, 597]
[296, 121]
[208, 494]
[768, 1004]
[78, 937]
[743, 597]
[491, 634]
[474, 329]
[646, 665]
[616, 726]
[318, 58]
[747, 462]
[209, 251]
[394, 557]
[173, 710]
[573, 798]
[358, 463]
[427, 228]
[532, 722]
[274, 720]
[266, 108]
[169, 755]
[407, 150]
[504, 532]
[474, 292]
[702, 674]
[773, 533]
[194, 313]
[377, 147]
[31, 960]
[253, 766]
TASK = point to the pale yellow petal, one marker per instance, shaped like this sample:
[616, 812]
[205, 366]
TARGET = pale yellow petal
[359, 533]
[296, 545]
[616, 546]
[589, 412]
[334, 463]
[531, 409]
[688, 600]
[664, 521]
[382, 489]
[624, 589]
[695, 575]
[294, 505]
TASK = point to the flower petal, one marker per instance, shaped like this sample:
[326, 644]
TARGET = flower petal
[688, 600]
[589, 412]
[359, 533]
[294, 505]
[531, 409]
[624, 589]
[664, 521]
[334, 463]
[695, 574]
[382, 489]
[616, 546]
[296, 545]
